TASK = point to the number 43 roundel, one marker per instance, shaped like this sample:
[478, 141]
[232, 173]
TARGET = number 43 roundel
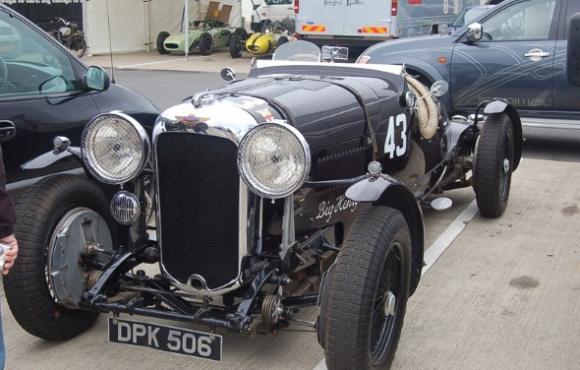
[396, 140]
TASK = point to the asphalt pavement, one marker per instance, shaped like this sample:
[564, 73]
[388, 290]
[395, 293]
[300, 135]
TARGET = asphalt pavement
[499, 294]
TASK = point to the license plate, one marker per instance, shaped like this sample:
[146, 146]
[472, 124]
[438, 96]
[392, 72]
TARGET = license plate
[166, 338]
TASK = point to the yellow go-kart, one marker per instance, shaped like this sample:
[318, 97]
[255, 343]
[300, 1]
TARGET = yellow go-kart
[260, 43]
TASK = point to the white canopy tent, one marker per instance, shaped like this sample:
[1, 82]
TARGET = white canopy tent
[135, 24]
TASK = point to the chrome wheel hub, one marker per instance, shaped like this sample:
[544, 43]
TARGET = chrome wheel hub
[390, 304]
[80, 232]
[506, 165]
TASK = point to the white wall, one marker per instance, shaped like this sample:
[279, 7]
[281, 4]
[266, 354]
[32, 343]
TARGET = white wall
[135, 24]
[128, 25]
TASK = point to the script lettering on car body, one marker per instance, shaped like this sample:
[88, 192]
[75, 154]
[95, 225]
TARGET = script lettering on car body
[327, 209]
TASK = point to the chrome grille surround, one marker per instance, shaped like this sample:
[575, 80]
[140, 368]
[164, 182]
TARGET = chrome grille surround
[224, 119]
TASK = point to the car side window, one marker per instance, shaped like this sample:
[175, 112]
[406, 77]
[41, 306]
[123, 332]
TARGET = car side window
[30, 64]
[528, 20]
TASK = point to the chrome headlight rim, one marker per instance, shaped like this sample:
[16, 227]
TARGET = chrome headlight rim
[144, 142]
[242, 166]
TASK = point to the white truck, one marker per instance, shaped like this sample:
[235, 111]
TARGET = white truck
[272, 10]
[360, 23]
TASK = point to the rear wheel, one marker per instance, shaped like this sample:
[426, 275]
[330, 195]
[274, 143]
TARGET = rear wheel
[281, 41]
[205, 44]
[57, 217]
[494, 160]
[160, 40]
[236, 46]
[365, 296]
[241, 32]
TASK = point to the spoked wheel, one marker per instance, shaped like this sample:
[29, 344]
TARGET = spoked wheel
[386, 305]
[493, 167]
[205, 44]
[236, 46]
[160, 42]
[364, 297]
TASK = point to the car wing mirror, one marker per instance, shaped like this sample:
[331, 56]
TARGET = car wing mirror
[96, 79]
[573, 57]
[474, 32]
[228, 75]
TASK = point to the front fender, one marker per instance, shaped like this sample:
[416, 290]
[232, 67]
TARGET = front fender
[387, 192]
[500, 106]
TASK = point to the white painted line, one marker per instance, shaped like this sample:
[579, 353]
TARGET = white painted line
[444, 240]
[321, 365]
[439, 246]
[150, 63]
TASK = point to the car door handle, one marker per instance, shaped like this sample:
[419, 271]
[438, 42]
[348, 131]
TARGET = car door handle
[7, 130]
[537, 54]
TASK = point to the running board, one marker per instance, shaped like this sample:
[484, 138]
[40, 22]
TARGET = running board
[559, 124]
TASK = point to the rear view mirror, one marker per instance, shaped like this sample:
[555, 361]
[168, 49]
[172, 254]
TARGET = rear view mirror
[228, 75]
[474, 32]
[573, 60]
[96, 79]
[439, 88]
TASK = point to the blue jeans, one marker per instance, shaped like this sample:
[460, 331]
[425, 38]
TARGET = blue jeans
[2, 349]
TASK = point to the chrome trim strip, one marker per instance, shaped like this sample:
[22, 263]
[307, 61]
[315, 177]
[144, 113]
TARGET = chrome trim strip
[227, 121]
[558, 124]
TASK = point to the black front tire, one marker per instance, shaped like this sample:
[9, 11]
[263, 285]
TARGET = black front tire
[160, 40]
[205, 44]
[493, 166]
[235, 46]
[365, 296]
[29, 297]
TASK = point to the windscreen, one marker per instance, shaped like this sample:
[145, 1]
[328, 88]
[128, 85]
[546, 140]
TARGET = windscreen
[298, 51]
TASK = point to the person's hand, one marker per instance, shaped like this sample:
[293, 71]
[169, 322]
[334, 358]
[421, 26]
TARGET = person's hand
[11, 254]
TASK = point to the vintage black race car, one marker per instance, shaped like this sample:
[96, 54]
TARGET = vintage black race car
[301, 185]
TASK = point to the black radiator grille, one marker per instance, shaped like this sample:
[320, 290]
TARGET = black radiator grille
[199, 200]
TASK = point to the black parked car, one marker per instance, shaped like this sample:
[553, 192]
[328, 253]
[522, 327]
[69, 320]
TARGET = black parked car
[45, 91]
[298, 186]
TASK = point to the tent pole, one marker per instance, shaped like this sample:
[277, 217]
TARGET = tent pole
[186, 19]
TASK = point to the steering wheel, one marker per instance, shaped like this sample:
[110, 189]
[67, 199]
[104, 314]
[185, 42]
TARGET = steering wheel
[3, 74]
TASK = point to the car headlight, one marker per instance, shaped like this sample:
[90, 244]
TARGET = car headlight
[114, 147]
[274, 160]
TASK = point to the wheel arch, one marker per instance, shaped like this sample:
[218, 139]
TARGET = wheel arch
[384, 191]
[399, 197]
[500, 106]
[427, 74]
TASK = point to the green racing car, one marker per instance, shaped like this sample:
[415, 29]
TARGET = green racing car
[206, 36]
